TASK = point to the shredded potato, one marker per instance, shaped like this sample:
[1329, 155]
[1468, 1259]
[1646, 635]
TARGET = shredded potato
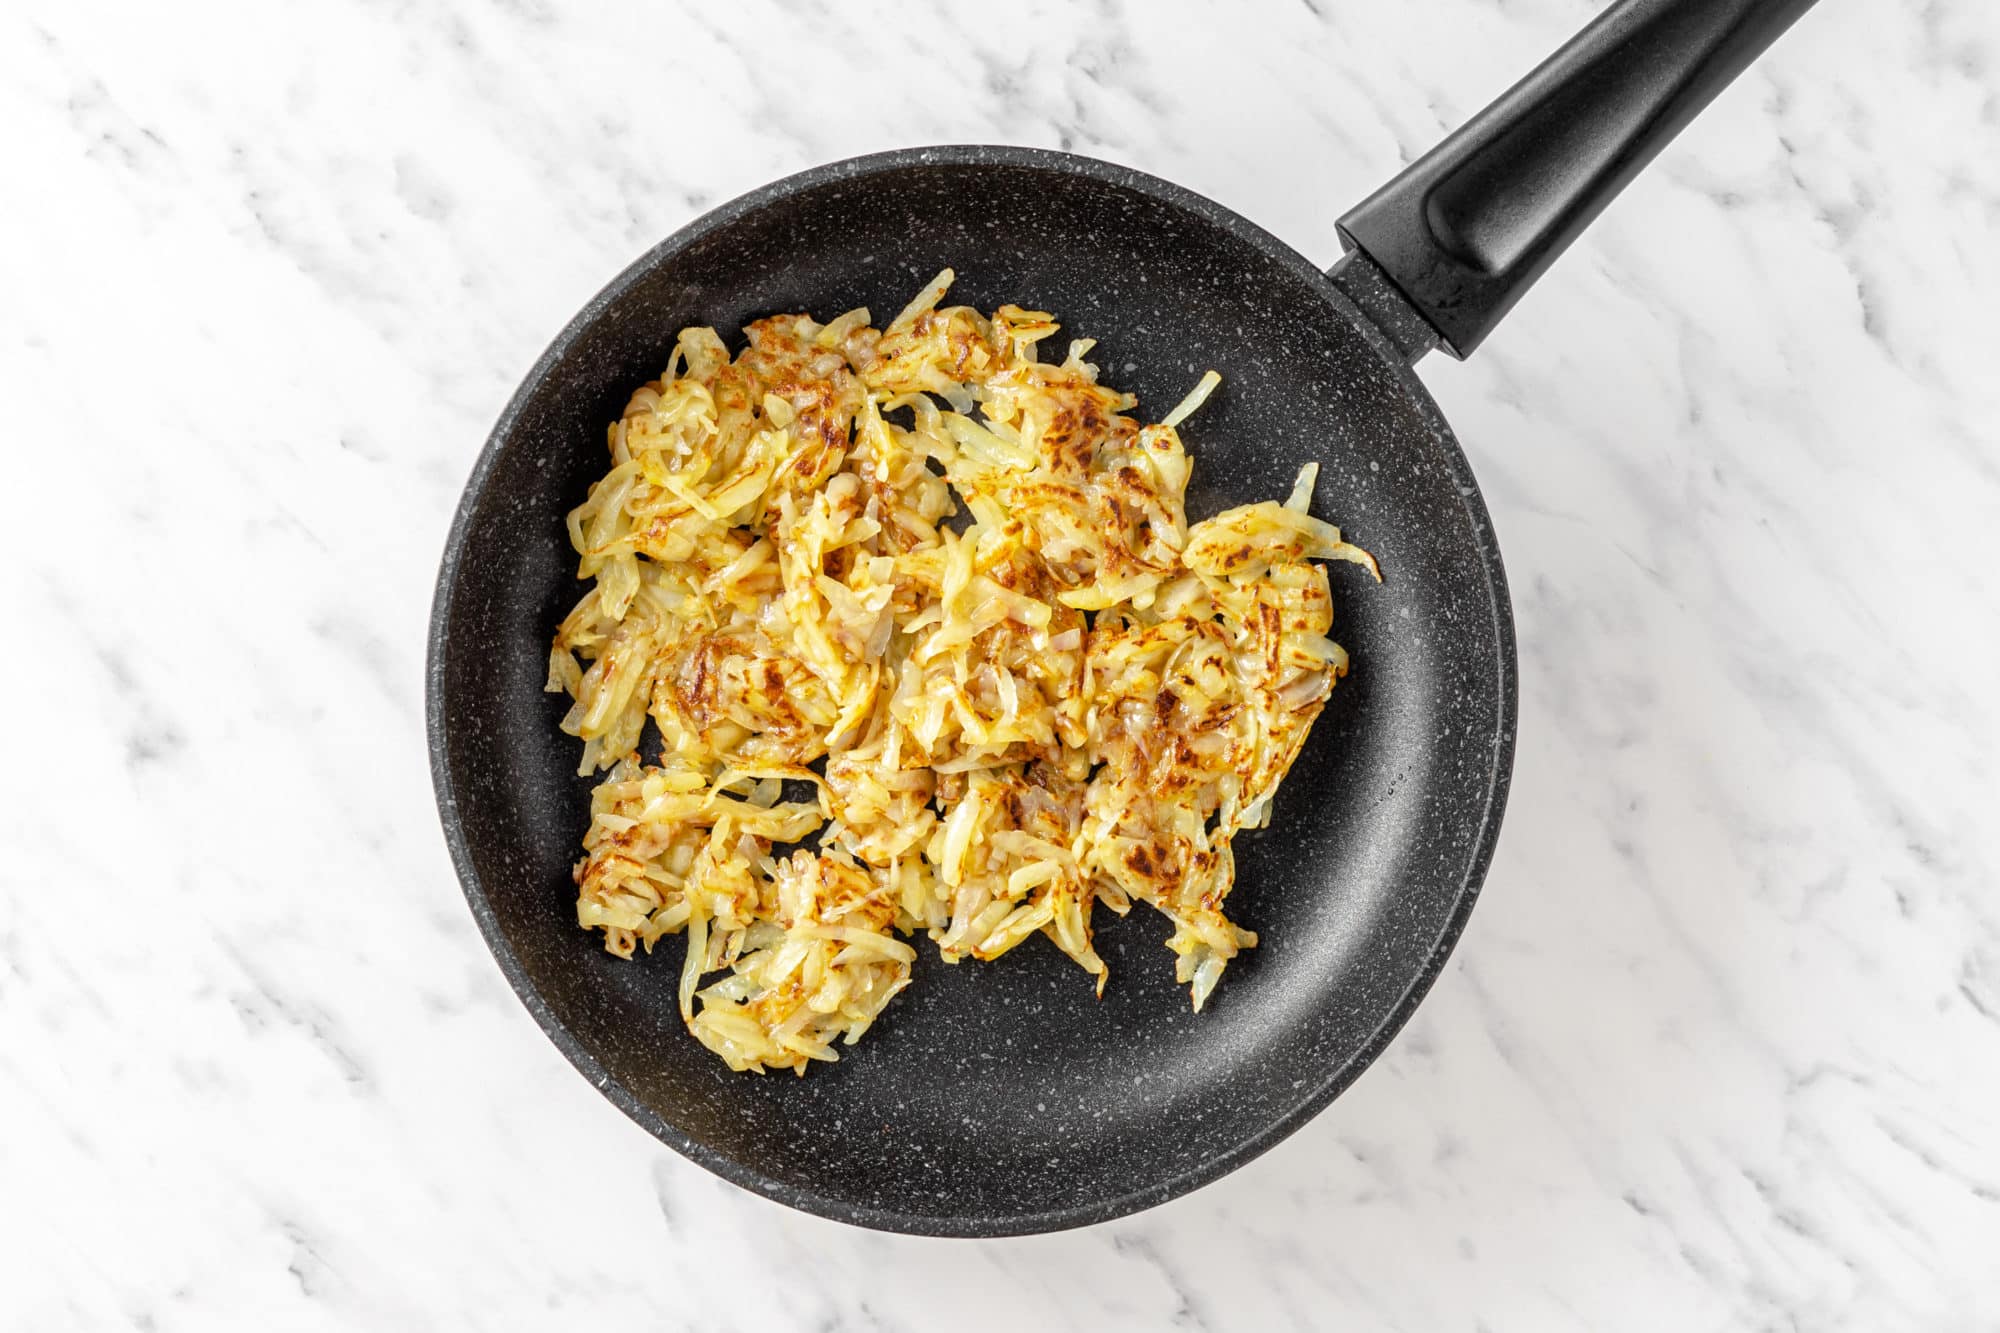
[1065, 696]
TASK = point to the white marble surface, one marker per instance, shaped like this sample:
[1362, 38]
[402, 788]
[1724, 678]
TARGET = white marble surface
[1721, 1049]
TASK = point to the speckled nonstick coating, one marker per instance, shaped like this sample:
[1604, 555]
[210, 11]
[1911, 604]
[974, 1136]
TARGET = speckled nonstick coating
[1001, 1098]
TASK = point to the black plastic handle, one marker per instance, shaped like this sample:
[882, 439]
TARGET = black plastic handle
[1468, 227]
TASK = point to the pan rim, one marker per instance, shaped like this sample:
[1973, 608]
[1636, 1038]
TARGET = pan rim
[1316, 1098]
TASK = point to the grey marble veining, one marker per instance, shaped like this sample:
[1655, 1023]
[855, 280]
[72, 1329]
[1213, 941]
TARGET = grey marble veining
[1721, 1048]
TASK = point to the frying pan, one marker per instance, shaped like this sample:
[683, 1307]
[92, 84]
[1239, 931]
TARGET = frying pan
[1000, 1098]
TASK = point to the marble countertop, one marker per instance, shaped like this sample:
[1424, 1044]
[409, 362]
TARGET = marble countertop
[1721, 1048]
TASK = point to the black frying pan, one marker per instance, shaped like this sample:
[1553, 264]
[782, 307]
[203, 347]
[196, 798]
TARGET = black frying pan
[1000, 1097]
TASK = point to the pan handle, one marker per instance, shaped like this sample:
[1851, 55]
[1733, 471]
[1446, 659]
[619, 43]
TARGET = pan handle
[1466, 229]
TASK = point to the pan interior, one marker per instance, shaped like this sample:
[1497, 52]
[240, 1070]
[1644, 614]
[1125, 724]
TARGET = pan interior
[1002, 1097]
